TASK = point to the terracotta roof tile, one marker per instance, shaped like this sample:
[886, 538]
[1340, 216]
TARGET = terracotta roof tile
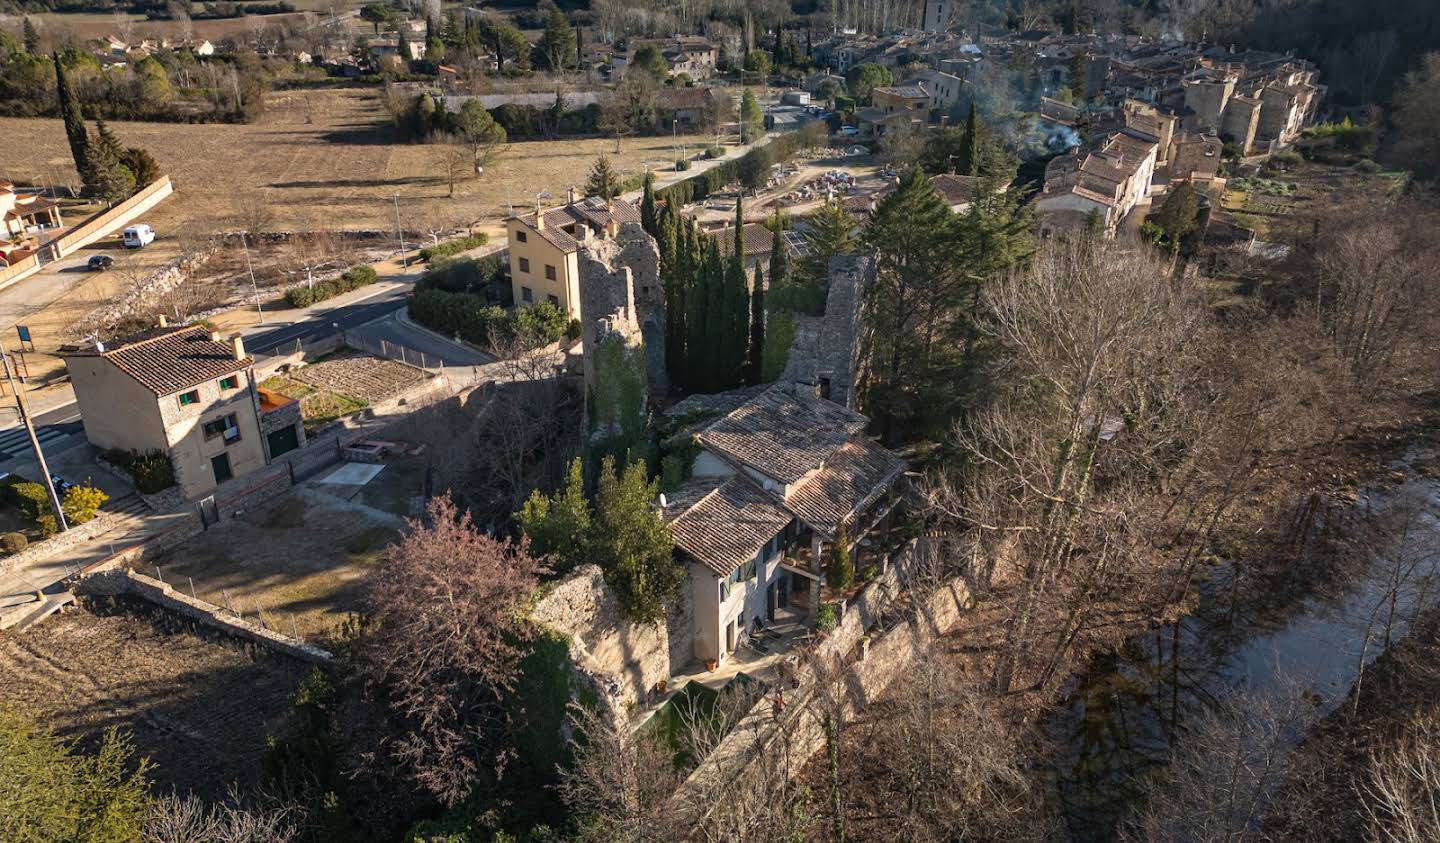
[167, 360]
[728, 525]
[849, 481]
[782, 436]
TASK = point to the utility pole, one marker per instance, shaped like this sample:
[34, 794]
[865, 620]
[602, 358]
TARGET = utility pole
[253, 286]
[34, 442]
[400, 232]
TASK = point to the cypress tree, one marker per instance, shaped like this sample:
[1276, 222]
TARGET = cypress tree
[648, 218]
[74, 122]
[713, 352]
[779, 260]
[755, 368]
[970, 144]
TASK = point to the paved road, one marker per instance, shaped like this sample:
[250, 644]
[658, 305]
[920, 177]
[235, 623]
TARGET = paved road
[267, 340]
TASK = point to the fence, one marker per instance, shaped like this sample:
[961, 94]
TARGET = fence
[107, 221]
[22, 268]
[301, 351]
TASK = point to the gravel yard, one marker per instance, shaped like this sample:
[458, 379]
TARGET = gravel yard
[198, 705]
[342, 384]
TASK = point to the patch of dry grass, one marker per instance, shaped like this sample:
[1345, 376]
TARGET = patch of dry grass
[326, 158]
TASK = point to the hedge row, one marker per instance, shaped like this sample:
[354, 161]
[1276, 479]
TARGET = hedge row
[352, 279]
[696, 188]
[467, 316]
[453, 247]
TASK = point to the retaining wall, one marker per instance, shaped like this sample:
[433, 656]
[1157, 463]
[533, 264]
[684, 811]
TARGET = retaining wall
[114, 583]
[20, 269]
[106, 222]
[798, 730]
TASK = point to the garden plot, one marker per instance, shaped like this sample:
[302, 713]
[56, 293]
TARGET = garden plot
[198, 705]
[342, 384]
[297, 564]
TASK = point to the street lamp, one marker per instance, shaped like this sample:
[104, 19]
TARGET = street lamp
[400, 232]
[245, 245]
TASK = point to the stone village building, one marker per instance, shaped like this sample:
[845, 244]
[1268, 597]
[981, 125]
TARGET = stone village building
[188, 393]
[544, 248]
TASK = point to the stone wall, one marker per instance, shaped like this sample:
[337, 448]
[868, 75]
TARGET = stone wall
[623, 659]
[61, 542]
[877, 661]
[826, 349]
[115, 583]
[621, 293]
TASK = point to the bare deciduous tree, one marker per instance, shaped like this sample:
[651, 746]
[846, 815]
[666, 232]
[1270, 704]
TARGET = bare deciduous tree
[442, 641]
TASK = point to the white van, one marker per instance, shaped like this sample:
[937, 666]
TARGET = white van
[137, 235]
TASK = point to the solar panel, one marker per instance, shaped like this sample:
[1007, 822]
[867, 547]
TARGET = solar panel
[795, 244]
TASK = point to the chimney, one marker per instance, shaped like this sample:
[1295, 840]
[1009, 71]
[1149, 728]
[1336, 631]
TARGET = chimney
[164, 323]
[539, 217]
[237, 343]
[215, 336]
[572, 194]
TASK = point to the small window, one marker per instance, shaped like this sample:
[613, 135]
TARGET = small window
[224, 427]
[520, 235]
[191, 397]
[555, 300]
[526, 294]
[549, 272]
[524, 264]
[229, 383]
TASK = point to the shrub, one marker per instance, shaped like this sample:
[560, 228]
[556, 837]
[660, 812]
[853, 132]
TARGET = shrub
[81, 503]
[453, 247]
[715, 152]
[572, 330]
[13, 543]
[151, 471]
[29, 497]
[682, 164]
[840, 568]
[1365, 165]
[299, 296]
[351, 279]
[48, 525]
[826, 618]
[359, 276]
[1287, 158]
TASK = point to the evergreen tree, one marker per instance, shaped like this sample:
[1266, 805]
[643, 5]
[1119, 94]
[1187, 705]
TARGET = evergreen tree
[603, 180]
[1079, 80]
[110, 179]
[555, 114]
[632, 544]
[559, 525]
[755, 367]
[752, 119]
[141, 165]
[648, 218]
[969, 156]
[914, 307]
[30, 37]
[671, 242]
[779, 259]
[557, 45]
[840, 570]
[74, 121]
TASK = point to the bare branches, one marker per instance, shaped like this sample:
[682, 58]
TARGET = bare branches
[443, 642]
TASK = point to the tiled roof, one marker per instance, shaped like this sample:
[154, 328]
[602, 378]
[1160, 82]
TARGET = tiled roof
[593, 211]
[955, 190]
[849, 481]
[757, 239]
[728, 525]
[782, 436]
[167, 360]
[904, 91]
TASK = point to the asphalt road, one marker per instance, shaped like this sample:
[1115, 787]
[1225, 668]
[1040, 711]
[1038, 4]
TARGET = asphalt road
[324, 325]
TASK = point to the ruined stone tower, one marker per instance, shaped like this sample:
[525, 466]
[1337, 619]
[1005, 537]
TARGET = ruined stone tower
[622, 323]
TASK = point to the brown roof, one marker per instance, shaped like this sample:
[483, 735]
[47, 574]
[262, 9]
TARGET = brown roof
[592, 211]
[167, 360]
[849, 481]
[955, 190]
[782, 436]
[728, 525]
[756, 237]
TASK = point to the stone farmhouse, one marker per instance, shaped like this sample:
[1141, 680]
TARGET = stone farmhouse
[776, 483]
[1108, 180]
[189, 393]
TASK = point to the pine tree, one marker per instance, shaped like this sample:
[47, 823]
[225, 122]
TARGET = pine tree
[648, 219]
[557, 45]
[141, 165]
[110, 179]
[752, 119]
[603, 180]
[755, 367]
[30, 37]
[74, 122]
[632, 544]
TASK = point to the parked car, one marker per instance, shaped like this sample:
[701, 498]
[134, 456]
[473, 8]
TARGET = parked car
[98, 263]
[137, 236]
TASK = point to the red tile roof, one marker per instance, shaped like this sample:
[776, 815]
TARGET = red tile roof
[168, 360]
